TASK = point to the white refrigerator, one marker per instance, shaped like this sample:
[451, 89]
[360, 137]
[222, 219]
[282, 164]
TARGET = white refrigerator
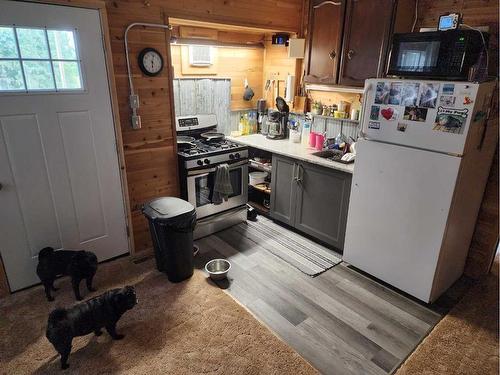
[421, 168]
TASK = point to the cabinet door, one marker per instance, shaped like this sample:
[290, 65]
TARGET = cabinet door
[325, 36]
[283, 189]
[322, 203]
[367, 30]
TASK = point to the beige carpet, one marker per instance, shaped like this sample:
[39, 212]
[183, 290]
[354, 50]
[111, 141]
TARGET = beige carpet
[464, 342]
[187, 328]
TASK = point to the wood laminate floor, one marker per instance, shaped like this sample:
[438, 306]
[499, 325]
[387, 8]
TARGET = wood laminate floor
[341, 321]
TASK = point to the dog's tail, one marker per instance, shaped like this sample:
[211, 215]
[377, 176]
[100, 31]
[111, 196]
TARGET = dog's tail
[45, 252]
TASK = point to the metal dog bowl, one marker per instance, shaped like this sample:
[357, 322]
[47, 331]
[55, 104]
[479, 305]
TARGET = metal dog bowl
[218, 269]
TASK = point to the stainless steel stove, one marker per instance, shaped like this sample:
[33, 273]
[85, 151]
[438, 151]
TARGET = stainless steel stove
[198, 161]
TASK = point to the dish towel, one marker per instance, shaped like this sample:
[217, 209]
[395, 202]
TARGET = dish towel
[222, 185]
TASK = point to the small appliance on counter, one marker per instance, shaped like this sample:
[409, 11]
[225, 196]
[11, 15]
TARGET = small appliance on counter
[261, 113]
[278, 120]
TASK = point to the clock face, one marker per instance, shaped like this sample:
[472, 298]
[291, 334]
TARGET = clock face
[150, 62]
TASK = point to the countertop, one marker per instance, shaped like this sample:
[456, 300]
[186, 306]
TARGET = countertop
[292, 150]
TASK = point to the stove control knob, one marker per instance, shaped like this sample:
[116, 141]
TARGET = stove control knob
[237, 155]
[199, 162]
[231, 156]
[206, 161]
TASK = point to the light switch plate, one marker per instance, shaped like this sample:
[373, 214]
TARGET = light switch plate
[136, 122]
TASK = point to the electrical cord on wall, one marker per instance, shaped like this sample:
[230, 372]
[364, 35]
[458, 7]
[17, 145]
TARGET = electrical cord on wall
[416, 16]
[484, 43]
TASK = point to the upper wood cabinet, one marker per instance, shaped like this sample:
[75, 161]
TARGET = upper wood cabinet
[366, 35]
[325, 39]
[348, 40]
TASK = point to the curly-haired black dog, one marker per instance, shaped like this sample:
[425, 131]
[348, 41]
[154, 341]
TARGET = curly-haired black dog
[78, 265]
[86, 317]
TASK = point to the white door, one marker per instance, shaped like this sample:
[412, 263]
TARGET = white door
[398, 209]
[59, 173]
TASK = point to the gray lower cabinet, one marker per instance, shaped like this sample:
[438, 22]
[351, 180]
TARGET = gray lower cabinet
[311, 198]
[283, 190]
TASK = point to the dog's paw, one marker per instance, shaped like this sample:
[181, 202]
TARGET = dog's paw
[118, 337]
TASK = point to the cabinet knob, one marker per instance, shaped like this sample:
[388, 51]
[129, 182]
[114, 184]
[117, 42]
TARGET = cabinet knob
[332, 55]
[350, 54]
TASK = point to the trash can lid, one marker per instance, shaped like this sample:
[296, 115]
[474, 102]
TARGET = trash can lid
[167, 208]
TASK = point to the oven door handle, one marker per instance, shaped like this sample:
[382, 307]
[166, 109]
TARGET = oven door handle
[213, 169]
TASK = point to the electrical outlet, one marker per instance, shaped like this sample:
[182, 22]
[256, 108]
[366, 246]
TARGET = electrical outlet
[136, 122]
[134, 101]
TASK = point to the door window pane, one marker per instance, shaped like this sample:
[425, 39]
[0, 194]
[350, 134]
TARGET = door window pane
[8, 47]
[62, 44]
[38, 75]
[11, 76]
[67, 75]
[39, 59]
[32, 43]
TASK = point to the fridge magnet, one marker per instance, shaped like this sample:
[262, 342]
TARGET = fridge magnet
[374, 112]
[448, 88]
[468, 100]
[429, 94]
[373, 125]
[395, 93]
[450, 120]
[389, 113]
[466, 90]
[415, 114]
[447, 100]
[402, 126]
[382, 93]
[409, 94]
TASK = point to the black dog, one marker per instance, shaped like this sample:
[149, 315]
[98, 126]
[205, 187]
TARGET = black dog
[90, 316]
[78, 265]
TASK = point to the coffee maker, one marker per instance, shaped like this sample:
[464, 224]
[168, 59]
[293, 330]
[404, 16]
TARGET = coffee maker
[277, 120]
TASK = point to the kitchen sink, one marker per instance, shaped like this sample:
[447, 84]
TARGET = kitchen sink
[334, 155]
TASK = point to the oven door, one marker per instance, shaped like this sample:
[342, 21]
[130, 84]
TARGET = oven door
[200, 186]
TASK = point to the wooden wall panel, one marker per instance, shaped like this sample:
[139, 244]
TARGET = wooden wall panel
[150, 153]
[284, 15]
[277, 66]
[236, 64]
[476, 13]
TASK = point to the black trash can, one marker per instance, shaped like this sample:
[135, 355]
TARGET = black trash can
[171, 222]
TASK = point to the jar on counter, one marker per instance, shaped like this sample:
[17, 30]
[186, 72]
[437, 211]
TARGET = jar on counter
[326, 111]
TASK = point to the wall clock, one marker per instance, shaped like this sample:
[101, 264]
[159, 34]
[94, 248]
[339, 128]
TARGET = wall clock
[150, 62]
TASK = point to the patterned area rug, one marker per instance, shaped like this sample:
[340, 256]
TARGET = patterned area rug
[300, 252]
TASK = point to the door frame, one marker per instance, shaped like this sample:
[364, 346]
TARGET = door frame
[100, 6]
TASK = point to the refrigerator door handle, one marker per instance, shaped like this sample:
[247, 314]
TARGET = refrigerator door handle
[363, 107]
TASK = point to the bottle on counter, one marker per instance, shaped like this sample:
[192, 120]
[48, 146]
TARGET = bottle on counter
[306, 130]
